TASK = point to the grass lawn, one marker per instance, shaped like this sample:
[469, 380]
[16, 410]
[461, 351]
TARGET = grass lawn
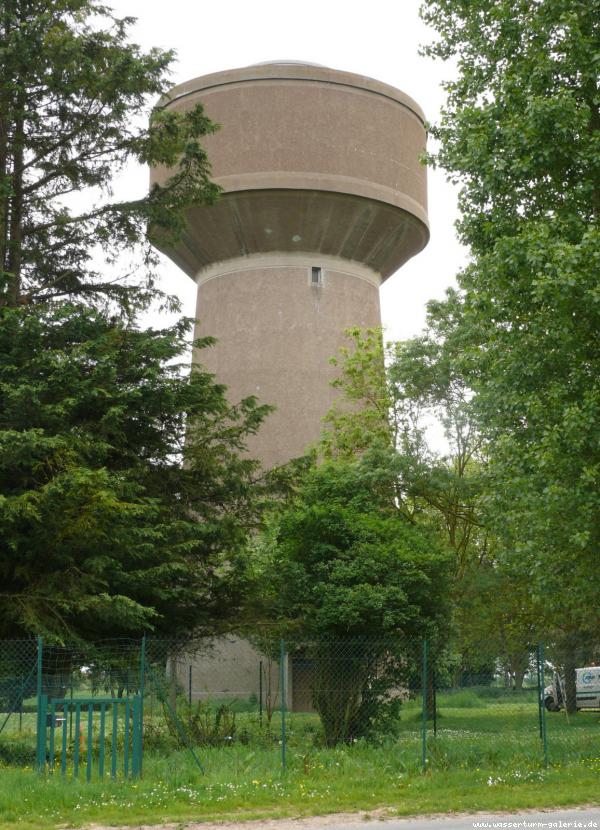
[486, 756]
[238, 786]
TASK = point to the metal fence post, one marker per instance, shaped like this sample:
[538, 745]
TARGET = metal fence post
[141, 711]
[282, 684]
[41, 735]
[424, 713]
[71, 706]
[41, 716]
[540, 690]
[260, 692]
[136, 742]
[434, 693]
[543, 734]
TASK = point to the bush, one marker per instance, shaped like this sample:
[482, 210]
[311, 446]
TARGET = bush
[210, 727]
[17, 751]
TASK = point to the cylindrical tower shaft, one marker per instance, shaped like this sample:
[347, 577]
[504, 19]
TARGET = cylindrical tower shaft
[278, 318]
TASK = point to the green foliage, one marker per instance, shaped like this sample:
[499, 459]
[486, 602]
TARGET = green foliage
[208, 726]
[18, 751]
[463, 699]
[520, 128]
[74, 109]
[497, 619]
[347, 571]
[126, 495]
[347, 563]
[521, 134]
[117, 517]
[389, 393]
[361, 416]
[407, 385]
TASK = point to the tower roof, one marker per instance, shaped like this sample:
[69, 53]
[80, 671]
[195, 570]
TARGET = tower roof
[291, 70]
[288, 62]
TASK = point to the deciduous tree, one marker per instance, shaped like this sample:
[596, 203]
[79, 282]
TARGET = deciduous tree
[521, 135]
[414, 384]
[356, 587]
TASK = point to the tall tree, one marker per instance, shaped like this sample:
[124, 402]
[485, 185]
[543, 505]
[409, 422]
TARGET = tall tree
[521, 134]
[390, 395]
[74, 106]
[390, 398]
[125, 499]
[126, 496]
[348, 566]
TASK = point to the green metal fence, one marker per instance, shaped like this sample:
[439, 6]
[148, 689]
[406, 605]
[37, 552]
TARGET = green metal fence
[99, 724]
[98, 710]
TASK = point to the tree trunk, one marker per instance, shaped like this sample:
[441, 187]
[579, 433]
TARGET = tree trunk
[271, 689]
[519, 664]
[339, 680]
[15, 233]
[519, 676]
[431, 702]
[5, 116]
[570, 685]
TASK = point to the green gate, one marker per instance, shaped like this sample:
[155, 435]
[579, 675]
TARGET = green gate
[95, 719]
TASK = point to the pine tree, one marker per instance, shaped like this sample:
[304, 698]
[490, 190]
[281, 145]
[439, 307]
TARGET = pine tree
[74, 106]
[125, 492]
[113, 520]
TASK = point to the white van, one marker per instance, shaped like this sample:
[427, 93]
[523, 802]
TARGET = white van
[587, 690]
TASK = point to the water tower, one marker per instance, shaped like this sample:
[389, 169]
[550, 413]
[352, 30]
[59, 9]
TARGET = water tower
[324, 198]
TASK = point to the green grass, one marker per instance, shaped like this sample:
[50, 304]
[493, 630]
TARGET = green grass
[485, 757]
[238, 784]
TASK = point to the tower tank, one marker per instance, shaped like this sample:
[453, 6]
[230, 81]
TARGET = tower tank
[324, 197]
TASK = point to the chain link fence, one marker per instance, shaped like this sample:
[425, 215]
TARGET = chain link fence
[283, 702]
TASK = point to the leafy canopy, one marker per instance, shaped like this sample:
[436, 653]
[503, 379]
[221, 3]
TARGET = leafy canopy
[346, 564]
[393, 393]
[521, 134]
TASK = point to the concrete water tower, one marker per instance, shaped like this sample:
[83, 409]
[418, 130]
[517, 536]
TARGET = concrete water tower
[324, 198]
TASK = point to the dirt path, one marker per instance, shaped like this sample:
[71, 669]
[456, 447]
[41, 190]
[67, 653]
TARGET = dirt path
[374, 817]
[308, 823]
